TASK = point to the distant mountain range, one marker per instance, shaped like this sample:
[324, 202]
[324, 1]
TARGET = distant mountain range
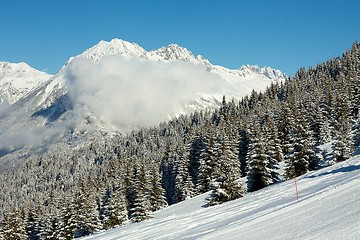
[17, 80]
[113, 86]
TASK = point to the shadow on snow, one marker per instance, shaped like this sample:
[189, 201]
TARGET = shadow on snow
[339, 170]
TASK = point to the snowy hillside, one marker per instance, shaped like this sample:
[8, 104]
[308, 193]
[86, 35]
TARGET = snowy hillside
[328, 208]
[17, 80]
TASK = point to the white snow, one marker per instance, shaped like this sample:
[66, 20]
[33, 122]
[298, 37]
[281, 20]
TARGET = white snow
[17, 80]
[114, 47]
[328, 208]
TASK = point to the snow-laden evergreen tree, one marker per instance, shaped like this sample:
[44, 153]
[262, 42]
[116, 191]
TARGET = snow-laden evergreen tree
[184, 187]
[208, 159]
[244, 141]
[343, 143]
[258, 175]
[139, 206]
[113, 212]
[86, 211]
[320, 124]
[352, 81]
[167, 167]
[303, 157]
[196, 146]
[33, 223]
[325, 131]
[231, 168]
[298, 164]
[13, 226]
[288, 138]
[225, 181]
[49, 226]
[157, 197]
[67, 222]
[50, 221]
[113, 201]
[273, 146]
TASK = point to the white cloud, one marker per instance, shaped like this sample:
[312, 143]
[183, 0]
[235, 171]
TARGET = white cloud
[128, 92]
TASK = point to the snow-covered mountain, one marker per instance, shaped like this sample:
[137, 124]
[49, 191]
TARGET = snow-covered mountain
[114, 86]
[174, 52]
[328, 208]
[17, 80]
[234, 83]
[171, 75]
[114, 47]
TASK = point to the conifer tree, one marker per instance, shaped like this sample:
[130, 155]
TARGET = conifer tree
[67, 222]
[343, 144]
[273, 147]
[196, 147]
[140, 209]
[258, 174]
[207, 162]
[184, 187]
[50, 221]
[225, 180]
[86, 211]
[49, 226]
[231, 164]
[302, 156]
[33, 223]
[113, 212]
[243, 150]
[139, 206]
[14, 226]
[157, 193]
[167, 167]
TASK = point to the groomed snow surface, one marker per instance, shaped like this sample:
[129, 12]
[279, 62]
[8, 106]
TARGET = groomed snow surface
[328, 208]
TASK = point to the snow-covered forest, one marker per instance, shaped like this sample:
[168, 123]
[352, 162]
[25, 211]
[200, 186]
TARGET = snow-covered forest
[241, 147]
[328, 208]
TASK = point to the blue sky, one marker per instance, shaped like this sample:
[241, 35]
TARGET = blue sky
[284, 34]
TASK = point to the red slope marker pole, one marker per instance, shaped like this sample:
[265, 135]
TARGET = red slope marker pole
[296, 190]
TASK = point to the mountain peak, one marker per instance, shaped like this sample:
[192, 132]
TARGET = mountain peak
[172, 52]
[121, 47]
[17, 80]
[8, 68]
[267, 72]
[114, 47]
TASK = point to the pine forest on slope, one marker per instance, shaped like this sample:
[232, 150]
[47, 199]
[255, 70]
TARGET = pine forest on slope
[241, 147]
[328, 208]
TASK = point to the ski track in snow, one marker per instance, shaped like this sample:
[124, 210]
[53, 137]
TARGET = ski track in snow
[328, 208]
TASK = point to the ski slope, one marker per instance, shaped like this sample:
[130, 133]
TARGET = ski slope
[328, 208]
